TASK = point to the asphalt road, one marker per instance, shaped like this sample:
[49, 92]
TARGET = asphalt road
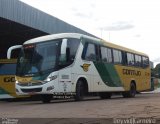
[142, 106]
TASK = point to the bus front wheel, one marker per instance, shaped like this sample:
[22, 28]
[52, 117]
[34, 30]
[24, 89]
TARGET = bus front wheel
[79, 91]
[46, 98]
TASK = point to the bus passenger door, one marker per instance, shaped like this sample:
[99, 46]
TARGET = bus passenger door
[93, 56]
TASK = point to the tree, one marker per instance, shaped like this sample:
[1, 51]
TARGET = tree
[156, 71]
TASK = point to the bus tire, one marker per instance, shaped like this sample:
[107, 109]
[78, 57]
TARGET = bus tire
[104, 95]
[46, 98]
[131, 93]
[79, 91]
[125, 94]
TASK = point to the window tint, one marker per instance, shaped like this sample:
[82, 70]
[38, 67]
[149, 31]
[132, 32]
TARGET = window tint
[106, 54]
[7, 69]
[73, 46]
[145, 61]
[130, 59]
[45, 56]
[90, 52]
[138, 61]
[117, 56]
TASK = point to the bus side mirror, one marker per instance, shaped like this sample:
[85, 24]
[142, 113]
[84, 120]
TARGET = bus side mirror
[63, 56]
[63, 47]
[9, 52]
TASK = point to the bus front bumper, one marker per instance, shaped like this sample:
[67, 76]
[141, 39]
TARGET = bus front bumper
[47, 88]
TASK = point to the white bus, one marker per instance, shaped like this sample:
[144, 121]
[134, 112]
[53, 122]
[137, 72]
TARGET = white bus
[76, 64]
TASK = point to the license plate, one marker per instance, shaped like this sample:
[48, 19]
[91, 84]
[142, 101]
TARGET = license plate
[31, 93]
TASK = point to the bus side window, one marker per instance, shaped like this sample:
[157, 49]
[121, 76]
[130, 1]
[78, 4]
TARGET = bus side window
[106, 55]
[130, 59]
[71, 51]
[89, 52]
[117, 56]
[138, 61]
[145, 61]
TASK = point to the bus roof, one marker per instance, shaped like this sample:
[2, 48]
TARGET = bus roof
[53, 36]
[79, 36]
[122, 48]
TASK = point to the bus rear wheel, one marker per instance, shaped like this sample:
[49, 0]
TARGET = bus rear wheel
[131, 93]
[46, 98]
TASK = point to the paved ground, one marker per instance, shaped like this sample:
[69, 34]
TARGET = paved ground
[143, 106]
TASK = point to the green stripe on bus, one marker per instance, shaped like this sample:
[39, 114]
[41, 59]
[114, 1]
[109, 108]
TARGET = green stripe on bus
[108, 74]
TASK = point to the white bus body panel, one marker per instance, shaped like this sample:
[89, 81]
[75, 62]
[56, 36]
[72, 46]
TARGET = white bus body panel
[67, 78]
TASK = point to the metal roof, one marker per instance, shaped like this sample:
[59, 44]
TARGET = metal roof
[20, 22]
[22, 13]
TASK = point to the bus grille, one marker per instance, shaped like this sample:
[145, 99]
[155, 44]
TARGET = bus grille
[32, 90]
[30, 84]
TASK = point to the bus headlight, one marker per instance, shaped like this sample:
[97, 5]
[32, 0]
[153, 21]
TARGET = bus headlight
[48, 79]
[17, 82]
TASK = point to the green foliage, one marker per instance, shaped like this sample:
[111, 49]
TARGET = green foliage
[156, 71]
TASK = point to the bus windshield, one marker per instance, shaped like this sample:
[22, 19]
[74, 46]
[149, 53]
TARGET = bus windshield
[43, 57]
[35, 58]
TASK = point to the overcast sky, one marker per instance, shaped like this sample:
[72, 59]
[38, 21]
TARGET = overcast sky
[131, 23]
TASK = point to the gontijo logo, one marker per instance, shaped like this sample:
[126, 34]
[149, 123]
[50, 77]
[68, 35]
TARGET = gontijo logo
[85, 67]
[9, 79]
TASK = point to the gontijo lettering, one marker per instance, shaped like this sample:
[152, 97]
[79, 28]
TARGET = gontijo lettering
[131, 72]
[9, 79]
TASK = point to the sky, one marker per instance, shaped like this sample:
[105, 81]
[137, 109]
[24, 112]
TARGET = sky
[131, 23]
